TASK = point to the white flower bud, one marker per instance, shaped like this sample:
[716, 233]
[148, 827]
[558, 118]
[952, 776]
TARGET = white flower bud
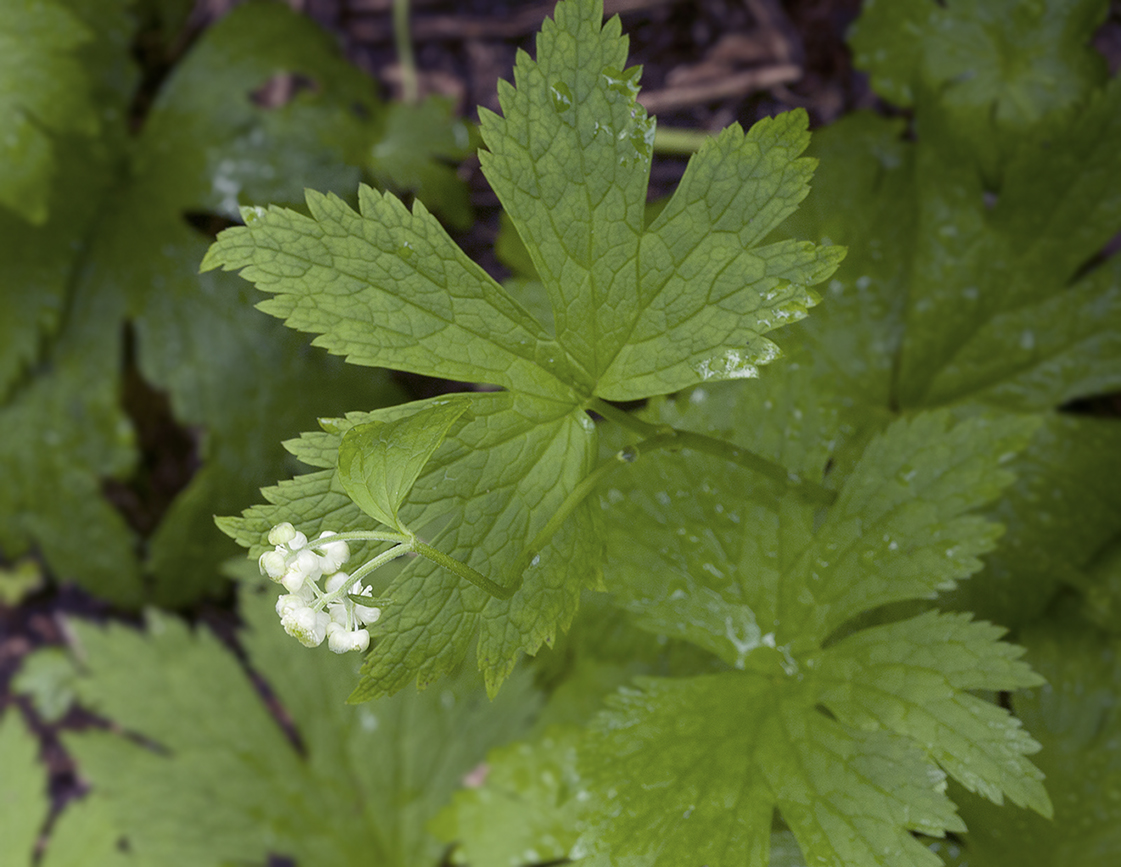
[334, 553]
[337, 610]
[336, 581]
[273, 563]
[288, 603]
[341, 641]
[307, 563]
[306, 626]
[365, 613]
[281, 534]
[293, 580]
[298, 542]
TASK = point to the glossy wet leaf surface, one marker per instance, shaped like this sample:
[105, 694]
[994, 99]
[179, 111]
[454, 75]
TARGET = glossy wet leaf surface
[635, 311]
[818, 711]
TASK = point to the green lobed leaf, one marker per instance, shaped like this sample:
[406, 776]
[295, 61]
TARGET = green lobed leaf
[960, 270]
[645, 312]
[569, 159]
[622, 298]
[525, 808]
[437, 313]
[416, 151]
[118, 241]
[207, 144]
[931, 241]
[701, 552]
[1063, 508]
[379, 461]
[23, 790]
[386, 286]
[997, 67]
[1075, 716]
[232, 787]
[708, 289]
[502, 472]
[44, 92]
[63, 435]
[1051, 352]
[902, 527]
[978, 295]
[63, 428]
[912, 677]
[707, 760]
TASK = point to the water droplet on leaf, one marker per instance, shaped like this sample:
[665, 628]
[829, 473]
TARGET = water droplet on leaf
[561, 96]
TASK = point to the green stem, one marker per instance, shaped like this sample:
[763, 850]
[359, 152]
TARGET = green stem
[576, 497]
[626, 419]
[745, 458]
[410, 82]
[679, 142]
[457, 567]
[365, 569]
[360, 536]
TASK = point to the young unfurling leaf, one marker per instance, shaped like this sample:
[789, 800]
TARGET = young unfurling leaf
[379, 461]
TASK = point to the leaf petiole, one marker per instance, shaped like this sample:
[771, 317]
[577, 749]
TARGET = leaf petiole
[576, 496]
[458, 567]
[682, 439]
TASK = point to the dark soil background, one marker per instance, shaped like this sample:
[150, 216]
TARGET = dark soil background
[707, 63]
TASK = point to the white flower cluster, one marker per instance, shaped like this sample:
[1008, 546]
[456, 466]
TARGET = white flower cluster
[307, 613]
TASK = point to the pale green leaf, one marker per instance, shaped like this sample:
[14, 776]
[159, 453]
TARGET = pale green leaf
[708, 289]
[379, 461]
[231, 787]
[85, 834]
[750, 567]
[436, 312]
[708, 760]
[912, 677]
[997, 67]
[46, 677]
[23, 791]
[904, 526]
[44, 92]
[525, 807]
[702, 552]
[645, 311]
[1075, 716]
[1062, 509]
[569, 159]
